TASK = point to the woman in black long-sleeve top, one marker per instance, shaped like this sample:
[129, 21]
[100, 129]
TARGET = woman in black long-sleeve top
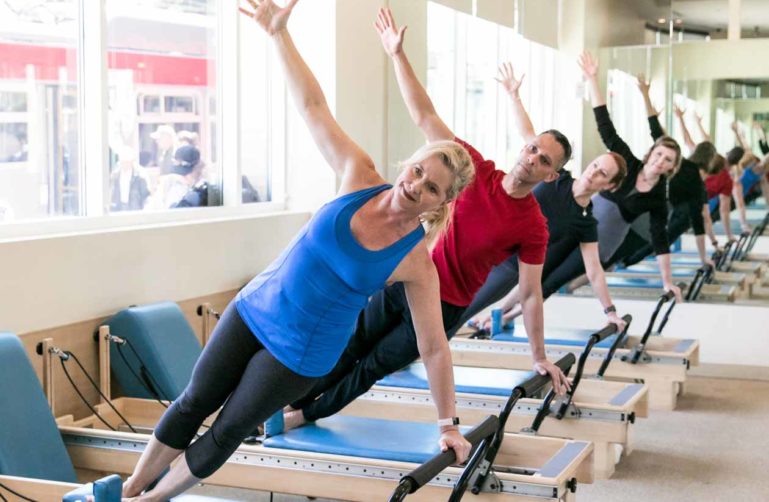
[643, 191]
[686, 191]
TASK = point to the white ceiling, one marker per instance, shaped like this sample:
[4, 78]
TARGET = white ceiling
[713, 15]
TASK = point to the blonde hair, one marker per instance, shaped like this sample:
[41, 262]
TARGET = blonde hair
[458, 161]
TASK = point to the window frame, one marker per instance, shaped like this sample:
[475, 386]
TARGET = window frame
[93, 96]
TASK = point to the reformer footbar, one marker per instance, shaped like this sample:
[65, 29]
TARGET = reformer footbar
[566, 402]
[637, 353]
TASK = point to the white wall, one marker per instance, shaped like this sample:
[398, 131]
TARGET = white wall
[54, 281]
[729, 334]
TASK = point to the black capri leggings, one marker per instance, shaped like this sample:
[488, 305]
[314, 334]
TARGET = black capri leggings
[236, 368]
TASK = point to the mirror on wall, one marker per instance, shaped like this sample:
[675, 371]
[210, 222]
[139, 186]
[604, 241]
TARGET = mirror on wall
[724, 102]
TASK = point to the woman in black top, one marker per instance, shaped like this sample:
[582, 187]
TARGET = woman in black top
[686, 191]
[643, 191]
[569, 212]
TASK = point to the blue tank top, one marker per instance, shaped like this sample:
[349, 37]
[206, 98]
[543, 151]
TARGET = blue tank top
[304, 306]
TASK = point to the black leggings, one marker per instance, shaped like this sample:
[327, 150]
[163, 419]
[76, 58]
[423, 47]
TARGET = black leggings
[635, 248]
[384, 342]
[500, 281]
[236, 368]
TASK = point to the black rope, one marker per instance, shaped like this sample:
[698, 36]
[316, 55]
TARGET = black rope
[15, 493]
[152, 391]
[82, 397]
[95, 386]
[151, 380]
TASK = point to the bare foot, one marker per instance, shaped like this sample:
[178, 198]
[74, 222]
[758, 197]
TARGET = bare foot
[293, 419]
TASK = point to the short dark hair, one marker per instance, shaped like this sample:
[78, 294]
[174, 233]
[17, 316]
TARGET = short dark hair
[734, 155]
[564, 142]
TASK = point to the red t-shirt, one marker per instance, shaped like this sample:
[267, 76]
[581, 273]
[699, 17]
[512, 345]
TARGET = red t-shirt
[720, 183]
[487, 227]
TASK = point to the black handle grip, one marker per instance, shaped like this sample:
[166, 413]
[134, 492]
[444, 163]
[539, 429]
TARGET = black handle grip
[669, 295]
[610, 329]
[535, 383]
[427, 471]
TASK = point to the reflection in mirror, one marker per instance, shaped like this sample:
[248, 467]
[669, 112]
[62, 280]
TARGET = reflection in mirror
[723, 104]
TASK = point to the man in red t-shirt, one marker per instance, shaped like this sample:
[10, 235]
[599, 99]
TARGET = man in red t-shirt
[718, 183]
[493, 218]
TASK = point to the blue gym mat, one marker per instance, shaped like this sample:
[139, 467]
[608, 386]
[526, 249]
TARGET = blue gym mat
[486, 381]
[555, 336]
[634, 282]
[363, 437]
[653, 269]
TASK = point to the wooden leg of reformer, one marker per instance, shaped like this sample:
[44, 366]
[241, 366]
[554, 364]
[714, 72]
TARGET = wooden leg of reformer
[663, 394]
[205, 315]
[104, 369]
[603, 460]
[46, 345]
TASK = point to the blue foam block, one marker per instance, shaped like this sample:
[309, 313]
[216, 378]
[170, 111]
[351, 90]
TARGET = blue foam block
[108, 489]
[556, 336]
[363, 437]
[486, 381]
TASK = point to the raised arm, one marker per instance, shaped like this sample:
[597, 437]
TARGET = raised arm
[762, 144]
[414, 94]
[606, 128]
[520, 117]
[738, 137]
[701, 128]
[589, 68]
[688, 141]
[644, 86]
[345, 157]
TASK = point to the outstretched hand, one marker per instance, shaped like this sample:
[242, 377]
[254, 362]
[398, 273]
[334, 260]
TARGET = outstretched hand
[679, 111]
[390, 35]
[269, 15]
[643, 84]
[508, 80]
[588, 65]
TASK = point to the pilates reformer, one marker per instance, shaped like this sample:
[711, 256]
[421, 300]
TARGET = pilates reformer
[658, 361]
[34, 465]
[598, 411]
[533, 466]
[602, 412]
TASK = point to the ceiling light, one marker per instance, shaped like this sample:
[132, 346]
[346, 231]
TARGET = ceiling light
[661, 20]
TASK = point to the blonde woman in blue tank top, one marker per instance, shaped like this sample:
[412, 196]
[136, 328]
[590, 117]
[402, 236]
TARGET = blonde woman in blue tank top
[289, 325]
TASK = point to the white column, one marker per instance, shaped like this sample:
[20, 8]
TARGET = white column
[735, 26]
[92, 84]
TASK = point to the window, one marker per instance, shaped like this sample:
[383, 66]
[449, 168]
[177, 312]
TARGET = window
[162, 66]
[463, 56]
[39, 138]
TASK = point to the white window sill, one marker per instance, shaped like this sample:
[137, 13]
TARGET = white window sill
[67, 226]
